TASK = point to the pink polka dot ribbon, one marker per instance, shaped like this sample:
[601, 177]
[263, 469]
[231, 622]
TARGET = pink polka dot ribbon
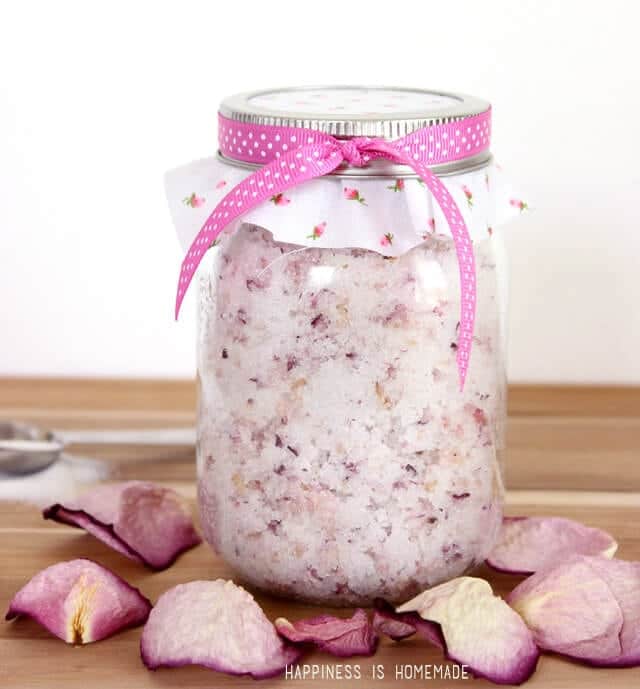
[290, 156]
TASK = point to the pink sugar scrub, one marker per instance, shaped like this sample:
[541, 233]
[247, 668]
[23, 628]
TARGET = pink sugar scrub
[338, 461]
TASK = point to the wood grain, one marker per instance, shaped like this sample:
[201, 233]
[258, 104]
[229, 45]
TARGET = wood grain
[152, 395]
[572, 453]
[98, 394]
[568, 438]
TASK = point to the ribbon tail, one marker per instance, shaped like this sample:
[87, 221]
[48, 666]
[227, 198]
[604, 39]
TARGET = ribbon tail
[464, 251]
[287, 171]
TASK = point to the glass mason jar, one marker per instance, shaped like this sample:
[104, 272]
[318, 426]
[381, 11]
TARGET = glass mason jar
[338, 459]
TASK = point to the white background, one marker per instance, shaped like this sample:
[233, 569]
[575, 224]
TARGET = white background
[97, 99]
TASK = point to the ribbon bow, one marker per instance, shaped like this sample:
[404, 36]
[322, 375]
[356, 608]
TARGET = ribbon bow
[354, 151]
[320, 155]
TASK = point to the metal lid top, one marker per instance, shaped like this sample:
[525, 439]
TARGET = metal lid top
[377, 111]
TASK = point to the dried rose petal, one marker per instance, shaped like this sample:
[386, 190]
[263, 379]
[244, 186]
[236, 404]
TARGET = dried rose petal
[143, 521]
[571, 610]
[338, 636]
[587, 608]
[528, 544]
[216, 624]
[479, 629]
[394, 629]
[80, 601]
[623, 578]
[390, 623]
[398, 626]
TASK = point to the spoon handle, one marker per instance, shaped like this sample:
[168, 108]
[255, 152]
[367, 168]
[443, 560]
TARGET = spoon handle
[30, 446]
[147, 436]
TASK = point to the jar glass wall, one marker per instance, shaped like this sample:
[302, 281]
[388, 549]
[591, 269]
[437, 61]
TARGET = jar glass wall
[338, 460]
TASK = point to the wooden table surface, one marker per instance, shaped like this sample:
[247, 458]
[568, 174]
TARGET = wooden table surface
[572, 452]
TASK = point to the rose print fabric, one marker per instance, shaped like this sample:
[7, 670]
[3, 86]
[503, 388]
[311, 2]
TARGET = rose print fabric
[387, 215]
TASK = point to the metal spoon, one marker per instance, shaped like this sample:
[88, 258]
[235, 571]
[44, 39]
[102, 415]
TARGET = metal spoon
[26, 449]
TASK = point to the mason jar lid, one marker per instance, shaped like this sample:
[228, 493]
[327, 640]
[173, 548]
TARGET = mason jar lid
[385, 112]
[344, 111]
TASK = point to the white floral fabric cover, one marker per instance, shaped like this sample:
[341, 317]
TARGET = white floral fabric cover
[390, 216]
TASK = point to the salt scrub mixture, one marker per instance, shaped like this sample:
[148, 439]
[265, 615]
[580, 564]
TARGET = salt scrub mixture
[338, 460]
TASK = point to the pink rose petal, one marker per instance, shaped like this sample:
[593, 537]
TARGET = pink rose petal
[390, 623]
[216, 624]
[528, 544]
[587, 608]
[143, 521]
[398, 626]
[338, 636]
[623, 578]
[479, 629]
[80, 602]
